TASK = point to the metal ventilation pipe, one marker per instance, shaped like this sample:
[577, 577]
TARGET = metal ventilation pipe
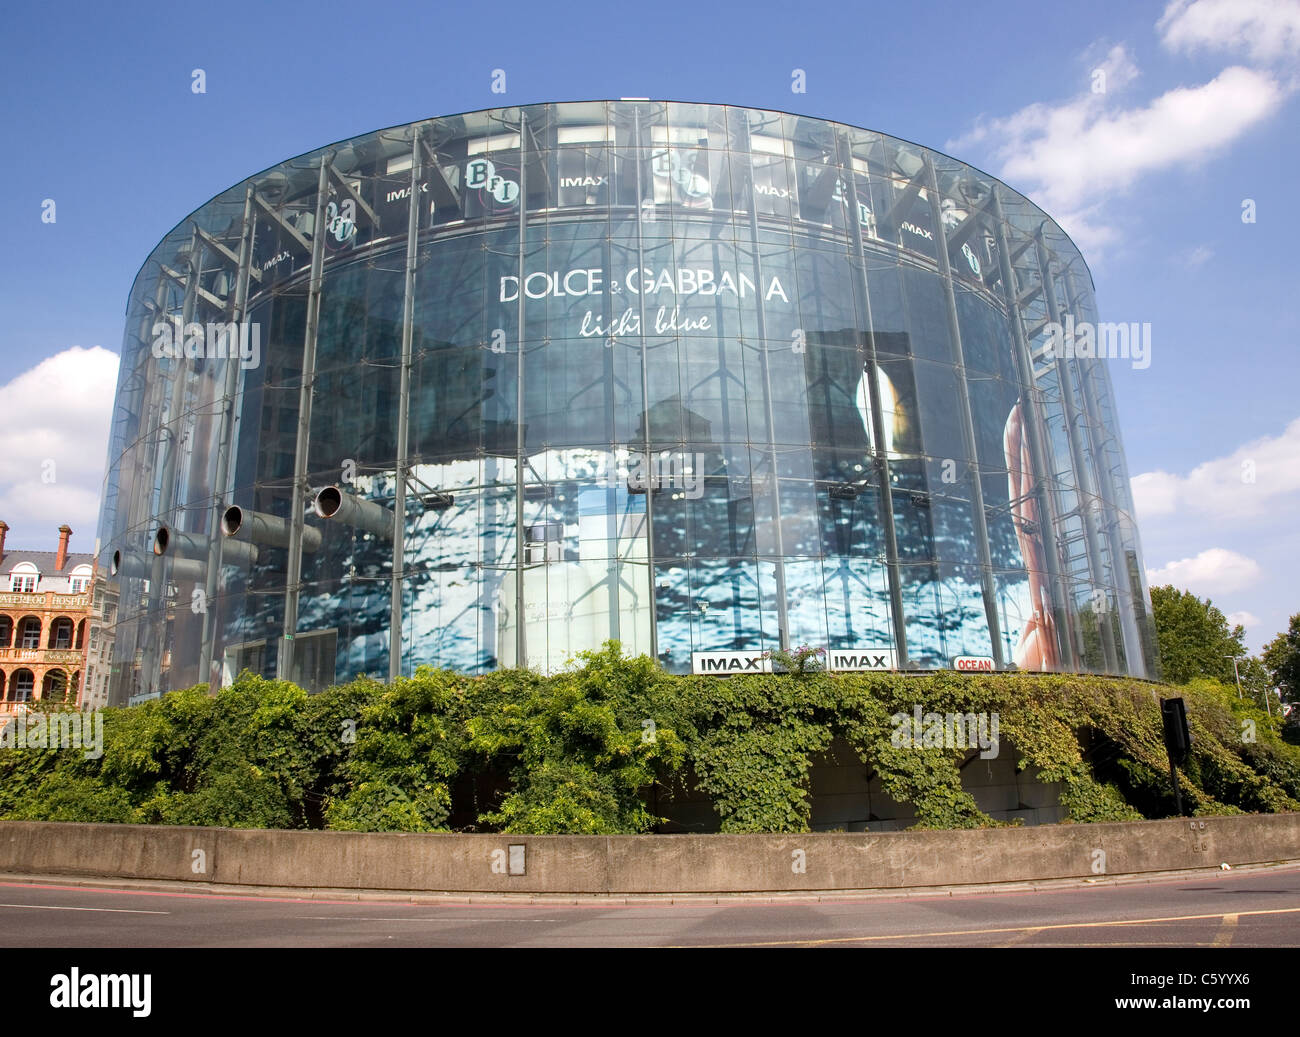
[195, 547]
[184, 570]
[334, 503]
[261, 528]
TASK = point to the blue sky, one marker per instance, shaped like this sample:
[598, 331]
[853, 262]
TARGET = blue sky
[1199, 113]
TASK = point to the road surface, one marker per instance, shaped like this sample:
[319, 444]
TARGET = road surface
[1255, 908]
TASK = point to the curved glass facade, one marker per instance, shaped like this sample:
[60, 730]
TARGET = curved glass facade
[694, 377]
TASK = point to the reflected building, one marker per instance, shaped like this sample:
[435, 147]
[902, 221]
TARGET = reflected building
[494, 388]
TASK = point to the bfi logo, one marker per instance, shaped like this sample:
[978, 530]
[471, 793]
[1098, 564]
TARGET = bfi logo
[481, 174]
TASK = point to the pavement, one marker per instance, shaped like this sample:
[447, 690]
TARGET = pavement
[1256, 906]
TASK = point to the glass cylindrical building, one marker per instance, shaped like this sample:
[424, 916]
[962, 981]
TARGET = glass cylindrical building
[709, 381]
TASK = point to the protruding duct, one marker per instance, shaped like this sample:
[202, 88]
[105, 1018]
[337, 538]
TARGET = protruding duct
[243, 524]
[195, 547]
[333, 503]
[184, 570]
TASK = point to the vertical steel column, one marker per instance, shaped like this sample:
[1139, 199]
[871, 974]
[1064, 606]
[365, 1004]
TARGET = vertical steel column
[521, 640]
[306, 390]
[1135, 660]
[171, 431]
[151, 659]
[613, 520]
[225, 447]
[782, 604]
[988, 589]
[645, 396]
[404, 409]
[167, 490]
[1030, 419]
[1085, 490]
[1134, 653]
[880, 462]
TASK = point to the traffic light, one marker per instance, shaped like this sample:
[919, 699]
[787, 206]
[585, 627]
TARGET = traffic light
[1178, 736]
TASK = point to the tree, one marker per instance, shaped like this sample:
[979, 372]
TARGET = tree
[1256, 681]
[1282, 657]
[1194, 637]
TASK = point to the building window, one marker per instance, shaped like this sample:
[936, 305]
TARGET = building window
[30, 632]
[77, 585]
[241, 657]
[314, 656]
[21, 690]
[55, 686]
[61, 635]
[22, 584]
[6, 631]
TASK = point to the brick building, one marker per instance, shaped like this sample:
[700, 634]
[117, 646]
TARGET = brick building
[46, 617]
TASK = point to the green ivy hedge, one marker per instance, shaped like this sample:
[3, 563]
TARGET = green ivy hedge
[585, 751]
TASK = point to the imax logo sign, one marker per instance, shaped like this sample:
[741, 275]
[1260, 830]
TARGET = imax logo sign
[730, 662]
[582, 181]
[860, 659]
[726, 663]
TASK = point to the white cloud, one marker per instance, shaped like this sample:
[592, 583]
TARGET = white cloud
[1247, 483]
[1263, 29]
[1214, 571]
[1199, 256]
[1070, 155]
[54, 421]
[1074, 156]
[1243, 619]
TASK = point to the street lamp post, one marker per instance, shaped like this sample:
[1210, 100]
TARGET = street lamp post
[1267, 705]
[1235, 673]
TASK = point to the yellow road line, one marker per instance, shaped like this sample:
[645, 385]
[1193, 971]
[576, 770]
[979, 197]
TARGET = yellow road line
[1223, 937]
[1025, 934]
[1008, 929]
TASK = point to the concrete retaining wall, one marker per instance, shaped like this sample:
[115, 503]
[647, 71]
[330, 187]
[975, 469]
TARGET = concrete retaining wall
[641, 864]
